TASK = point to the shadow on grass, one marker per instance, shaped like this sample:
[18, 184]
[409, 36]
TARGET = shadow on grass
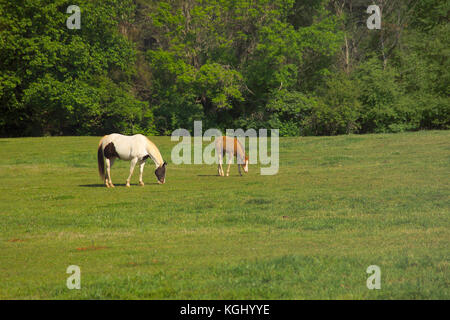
[99, 185]
[216, 175]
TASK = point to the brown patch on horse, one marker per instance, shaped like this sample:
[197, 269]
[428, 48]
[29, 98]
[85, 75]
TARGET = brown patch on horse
[110, 151]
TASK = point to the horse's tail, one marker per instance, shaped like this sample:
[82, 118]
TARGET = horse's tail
[101, 162]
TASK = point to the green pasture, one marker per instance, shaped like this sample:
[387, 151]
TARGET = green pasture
[337, 205]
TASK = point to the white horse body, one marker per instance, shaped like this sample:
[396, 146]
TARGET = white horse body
[129, 147]
[136, 149]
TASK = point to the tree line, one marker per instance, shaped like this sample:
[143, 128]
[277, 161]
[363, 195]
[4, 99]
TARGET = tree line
[307, 67]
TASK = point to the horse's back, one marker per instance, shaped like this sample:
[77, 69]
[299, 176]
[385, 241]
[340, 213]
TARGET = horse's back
[126, 147]
[117, 137]
[229, 144]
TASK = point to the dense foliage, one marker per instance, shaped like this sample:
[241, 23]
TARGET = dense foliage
[308, 67]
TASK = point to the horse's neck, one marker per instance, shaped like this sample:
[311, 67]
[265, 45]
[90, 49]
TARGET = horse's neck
[157, 162]
[240, 154]
[154, 153]
[240, 151]
[155, 156]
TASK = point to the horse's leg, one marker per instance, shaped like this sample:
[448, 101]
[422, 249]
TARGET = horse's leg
[230, 160]
[221, 168]
[108, 171]
[240, 165]
[133, 163]
[111, 163]
[219, 165]
[141, 171]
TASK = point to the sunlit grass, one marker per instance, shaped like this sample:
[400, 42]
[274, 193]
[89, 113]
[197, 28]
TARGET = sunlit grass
[337, 205]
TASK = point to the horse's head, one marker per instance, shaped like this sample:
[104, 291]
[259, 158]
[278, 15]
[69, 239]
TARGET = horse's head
[245, 166]
[160, 173]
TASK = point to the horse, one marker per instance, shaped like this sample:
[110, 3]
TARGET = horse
[233, 148]
[136, 149]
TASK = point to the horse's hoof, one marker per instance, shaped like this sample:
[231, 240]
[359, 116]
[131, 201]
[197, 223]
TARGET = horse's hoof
[127, 185]
[141, 183]
[112, 186]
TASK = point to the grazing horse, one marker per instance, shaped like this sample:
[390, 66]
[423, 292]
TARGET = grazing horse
[233, 148]
[136, 149]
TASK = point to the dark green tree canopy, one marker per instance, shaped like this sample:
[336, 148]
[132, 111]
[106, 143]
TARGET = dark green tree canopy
[307, 67]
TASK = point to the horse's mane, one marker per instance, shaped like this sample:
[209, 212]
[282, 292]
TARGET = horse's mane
[156, 155]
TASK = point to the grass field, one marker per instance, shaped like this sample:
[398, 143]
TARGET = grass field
[337, 205]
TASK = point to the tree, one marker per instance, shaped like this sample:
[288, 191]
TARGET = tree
[53, 79]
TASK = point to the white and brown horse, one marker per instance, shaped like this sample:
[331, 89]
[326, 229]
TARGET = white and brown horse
[232, 148]
[136, 149]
